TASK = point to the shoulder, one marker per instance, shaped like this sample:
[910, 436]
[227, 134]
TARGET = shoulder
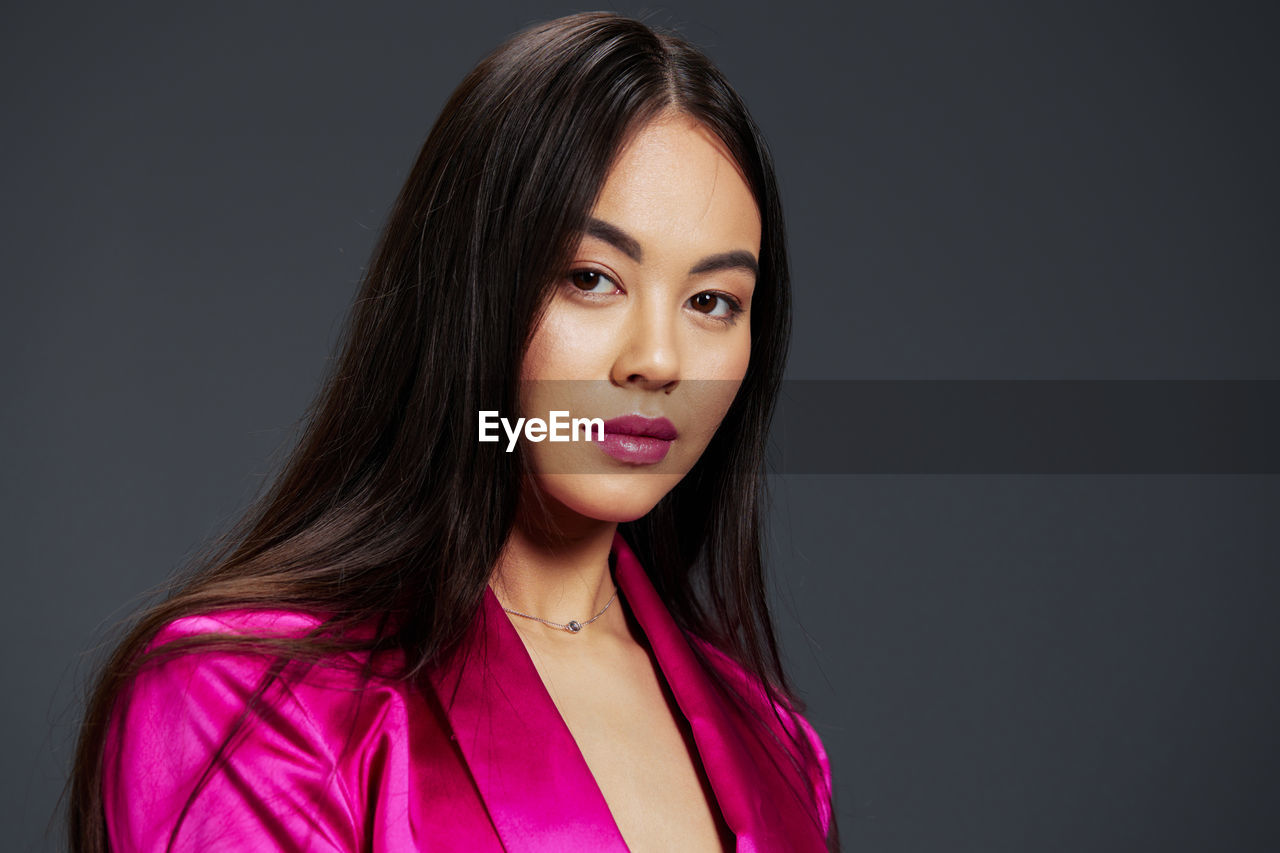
[228, 745]
[259, 645]
[270, 622]
[215, 661]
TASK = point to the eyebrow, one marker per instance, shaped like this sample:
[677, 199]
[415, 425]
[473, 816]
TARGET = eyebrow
[630, 246]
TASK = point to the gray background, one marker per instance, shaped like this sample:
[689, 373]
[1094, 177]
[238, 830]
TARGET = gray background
[973, 191]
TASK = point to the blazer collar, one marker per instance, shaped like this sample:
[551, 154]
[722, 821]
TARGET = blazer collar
[735, 780]
[532, 776]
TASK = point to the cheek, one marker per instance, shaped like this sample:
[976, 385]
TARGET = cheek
[725, 366]
[722, 356]
[740, 353]
[710, 400]
[568, 344]
[539, 356]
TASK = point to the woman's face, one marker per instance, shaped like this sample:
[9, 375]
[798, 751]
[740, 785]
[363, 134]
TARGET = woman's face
[653, 319]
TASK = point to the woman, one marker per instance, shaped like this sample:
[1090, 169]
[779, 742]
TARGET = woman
[421, 640]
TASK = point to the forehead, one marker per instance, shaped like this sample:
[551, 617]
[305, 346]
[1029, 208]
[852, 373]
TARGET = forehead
[675, 187]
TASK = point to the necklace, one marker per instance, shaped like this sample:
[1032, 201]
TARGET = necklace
[573, 626]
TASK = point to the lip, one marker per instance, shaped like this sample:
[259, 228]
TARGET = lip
[640, 425]
[637, 439]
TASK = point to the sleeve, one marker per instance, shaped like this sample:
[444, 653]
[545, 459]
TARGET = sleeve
[275, 787]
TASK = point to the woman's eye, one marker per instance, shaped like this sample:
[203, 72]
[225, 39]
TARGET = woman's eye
[590, 281]
[715, 305]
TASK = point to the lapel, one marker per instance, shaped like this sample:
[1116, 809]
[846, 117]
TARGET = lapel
[536, 786]
[724, 755]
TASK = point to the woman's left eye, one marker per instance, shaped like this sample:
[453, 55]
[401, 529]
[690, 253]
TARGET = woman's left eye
[718, 306]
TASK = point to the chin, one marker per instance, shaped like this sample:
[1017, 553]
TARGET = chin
[607, 497]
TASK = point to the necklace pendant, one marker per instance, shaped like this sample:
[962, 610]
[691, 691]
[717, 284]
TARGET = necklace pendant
[574, 627]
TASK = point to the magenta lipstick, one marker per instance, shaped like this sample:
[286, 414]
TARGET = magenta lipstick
[637, 439]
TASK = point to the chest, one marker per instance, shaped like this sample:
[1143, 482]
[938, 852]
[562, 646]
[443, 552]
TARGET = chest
[639, 748]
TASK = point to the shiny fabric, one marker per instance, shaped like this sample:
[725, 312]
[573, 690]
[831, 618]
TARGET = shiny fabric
[477, 758]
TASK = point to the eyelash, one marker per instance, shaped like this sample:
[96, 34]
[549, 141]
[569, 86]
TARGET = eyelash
[735, 307]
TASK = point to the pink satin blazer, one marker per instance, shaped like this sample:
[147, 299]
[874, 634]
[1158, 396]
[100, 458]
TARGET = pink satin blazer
[478, 760]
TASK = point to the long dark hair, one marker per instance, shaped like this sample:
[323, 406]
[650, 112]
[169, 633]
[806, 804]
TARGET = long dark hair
[388, 511]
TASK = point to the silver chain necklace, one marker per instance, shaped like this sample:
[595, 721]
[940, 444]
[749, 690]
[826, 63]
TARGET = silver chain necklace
[573, 626]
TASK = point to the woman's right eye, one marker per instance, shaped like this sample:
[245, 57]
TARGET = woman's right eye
[589, 281]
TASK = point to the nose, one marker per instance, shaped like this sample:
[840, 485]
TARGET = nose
[648, 350]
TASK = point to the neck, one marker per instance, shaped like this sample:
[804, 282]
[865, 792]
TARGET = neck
[558, 576]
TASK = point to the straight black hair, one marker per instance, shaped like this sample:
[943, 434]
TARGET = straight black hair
[387, 510]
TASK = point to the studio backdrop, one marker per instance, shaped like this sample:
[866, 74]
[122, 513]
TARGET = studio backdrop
[1025, 520]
